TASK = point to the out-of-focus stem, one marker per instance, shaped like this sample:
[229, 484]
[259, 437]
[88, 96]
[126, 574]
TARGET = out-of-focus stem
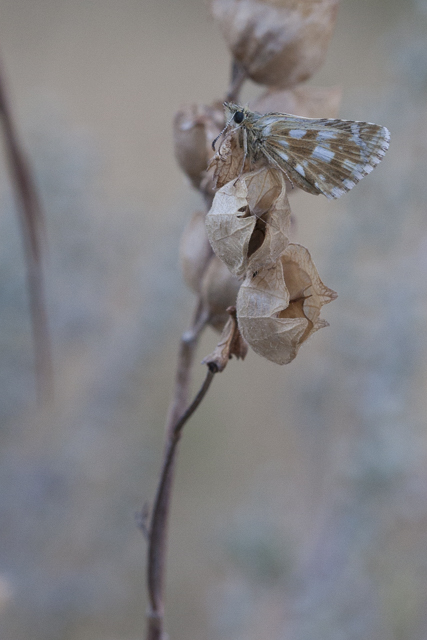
[31, 222]
[178, 415]
[238, 76]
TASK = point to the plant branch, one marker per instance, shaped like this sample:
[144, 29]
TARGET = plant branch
[229, 344]
[157, 535]
[31, 219]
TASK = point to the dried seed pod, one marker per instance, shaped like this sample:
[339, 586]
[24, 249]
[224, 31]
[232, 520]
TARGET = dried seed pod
[278, 42]
[195, 127]
[218, 292]
[306, 101]
[279, 308]
[229, 162]
[248, 223]
[195, 251]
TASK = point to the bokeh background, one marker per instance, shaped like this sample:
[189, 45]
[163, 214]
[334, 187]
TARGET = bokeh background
[300, 508]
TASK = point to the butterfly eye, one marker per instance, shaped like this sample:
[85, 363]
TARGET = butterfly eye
[238, 117]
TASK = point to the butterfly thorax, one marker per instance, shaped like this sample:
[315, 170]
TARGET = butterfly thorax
[241, 118]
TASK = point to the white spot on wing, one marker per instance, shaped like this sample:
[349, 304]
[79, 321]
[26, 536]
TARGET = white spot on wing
[325, 135]
[355, 129]
[297, 133]
[349, 183]
[323, 154]
[300, 170]
[336, 192]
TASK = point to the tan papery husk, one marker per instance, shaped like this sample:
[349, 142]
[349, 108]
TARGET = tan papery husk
[279, 43]
[279, 308]
[195, 127]
[248, 223]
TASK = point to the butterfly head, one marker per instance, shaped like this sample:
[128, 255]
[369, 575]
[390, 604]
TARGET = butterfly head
[234, 113]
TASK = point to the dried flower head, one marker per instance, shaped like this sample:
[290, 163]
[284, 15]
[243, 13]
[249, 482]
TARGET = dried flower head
[195, 126]
[278, 42]
[248, 223]
[229, 162]
[278, 308]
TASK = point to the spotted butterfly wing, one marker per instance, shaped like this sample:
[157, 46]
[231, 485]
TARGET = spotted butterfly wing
[323, 156]
[318, 155]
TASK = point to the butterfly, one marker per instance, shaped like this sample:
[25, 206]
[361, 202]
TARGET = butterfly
[318, 155]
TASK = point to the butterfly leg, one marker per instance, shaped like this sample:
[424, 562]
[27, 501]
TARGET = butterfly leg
[245, 152]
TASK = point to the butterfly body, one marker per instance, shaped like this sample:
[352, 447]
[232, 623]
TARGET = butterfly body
[318, 155]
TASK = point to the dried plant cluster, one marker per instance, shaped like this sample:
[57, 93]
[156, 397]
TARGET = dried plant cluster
[238, 252]
[253, 284]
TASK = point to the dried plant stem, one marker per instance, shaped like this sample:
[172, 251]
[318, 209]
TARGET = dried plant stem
[178, 415]
[31, 222]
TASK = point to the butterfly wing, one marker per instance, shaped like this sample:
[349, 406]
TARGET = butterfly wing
[320, 155]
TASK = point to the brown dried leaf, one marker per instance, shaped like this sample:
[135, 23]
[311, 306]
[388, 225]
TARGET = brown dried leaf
[279, 43]
[195, 252]
[230, 344]
[279, 308]
[248, 223]
[227, 163]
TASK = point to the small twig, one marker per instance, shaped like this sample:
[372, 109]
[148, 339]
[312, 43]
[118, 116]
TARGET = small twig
[31, 223]
[159, 517]
[157, 535]
[230, 344]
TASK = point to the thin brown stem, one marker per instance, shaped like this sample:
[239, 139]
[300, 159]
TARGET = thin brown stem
[157, 539]
[158, 517]
[230, 344]
[31, 218]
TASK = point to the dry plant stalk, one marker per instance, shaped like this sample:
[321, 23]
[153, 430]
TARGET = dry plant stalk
[252, 283]
[31, 219]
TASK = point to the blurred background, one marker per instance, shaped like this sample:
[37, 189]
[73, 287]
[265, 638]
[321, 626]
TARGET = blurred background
[300, 508]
